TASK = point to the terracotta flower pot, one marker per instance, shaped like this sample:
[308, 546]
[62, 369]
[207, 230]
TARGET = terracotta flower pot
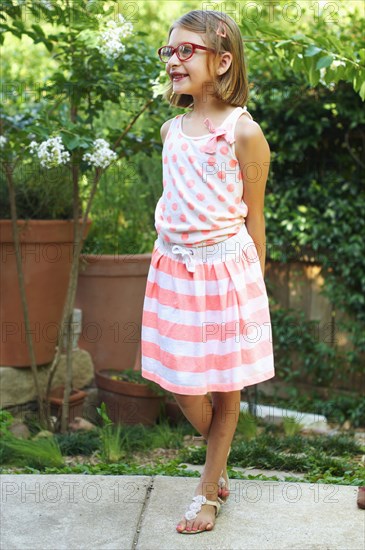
[110, 293]
[46, 250]
[128, 402]
[76, 402]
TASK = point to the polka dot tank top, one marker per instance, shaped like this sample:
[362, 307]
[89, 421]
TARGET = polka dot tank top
[202, 200]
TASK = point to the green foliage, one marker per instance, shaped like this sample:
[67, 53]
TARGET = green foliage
[78, 443]
[33, 453]
[326, 53]
[111, 439]
[123, 210]
[291, 426]
[247, 425]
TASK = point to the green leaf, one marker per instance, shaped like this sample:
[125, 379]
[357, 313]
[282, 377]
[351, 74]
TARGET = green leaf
[324, 62]
[311, 51]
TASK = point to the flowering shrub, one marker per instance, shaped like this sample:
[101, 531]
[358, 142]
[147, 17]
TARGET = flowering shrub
[101, 156]
[51, 152]
[110, 43]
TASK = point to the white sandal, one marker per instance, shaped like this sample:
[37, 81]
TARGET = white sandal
[194, 509]
[222, 484]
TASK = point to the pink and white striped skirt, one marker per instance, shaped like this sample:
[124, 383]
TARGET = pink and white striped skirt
[206, 321]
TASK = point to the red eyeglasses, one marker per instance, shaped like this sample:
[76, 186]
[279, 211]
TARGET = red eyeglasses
[184, 51]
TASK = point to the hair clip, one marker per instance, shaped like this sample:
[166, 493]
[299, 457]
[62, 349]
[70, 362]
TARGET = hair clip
[221, 30]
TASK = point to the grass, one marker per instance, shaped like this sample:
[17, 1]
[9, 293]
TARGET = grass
[325, 459]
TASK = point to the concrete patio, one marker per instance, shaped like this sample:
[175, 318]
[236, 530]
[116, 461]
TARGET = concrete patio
[72, 512]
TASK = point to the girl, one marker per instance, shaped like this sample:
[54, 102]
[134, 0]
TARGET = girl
[206, 321]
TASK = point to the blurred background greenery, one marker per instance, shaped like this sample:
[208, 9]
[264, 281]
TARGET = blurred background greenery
[315, 127]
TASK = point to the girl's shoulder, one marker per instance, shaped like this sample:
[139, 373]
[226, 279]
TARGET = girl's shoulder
[166, 127]
[247, 128]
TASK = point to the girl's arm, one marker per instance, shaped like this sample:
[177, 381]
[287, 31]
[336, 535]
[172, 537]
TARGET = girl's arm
[253, 155]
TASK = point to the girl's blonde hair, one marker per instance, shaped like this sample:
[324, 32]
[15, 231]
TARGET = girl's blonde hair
[232, 86]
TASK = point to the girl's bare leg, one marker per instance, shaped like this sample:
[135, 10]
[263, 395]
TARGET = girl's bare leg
[198, 410]
[225, 413]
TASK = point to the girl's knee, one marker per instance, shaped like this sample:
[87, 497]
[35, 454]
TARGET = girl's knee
[188, 400]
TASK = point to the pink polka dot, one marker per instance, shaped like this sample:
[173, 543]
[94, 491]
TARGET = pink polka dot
[240, 176]
[192, 228]
[161, 217]
[181, 194]
[169, 219]
[224, 150]
[168, 134]
[163, 207]
[174, 157]
[211, 208]
[200, 196]
[230, 187]
[233, 162]
[174, 181]
[191, 159]
[171, 146]
[237, 200]
[221, 175]
[199, 172]
[169, 195]
[211, 186]
[190, 183]
[171, 228]
[167, 238]
[184, 146]
[212, 161]
[205, 231]
[191, 206]
[182, 170]
[185, 236]
[215, 226]
[179, 135]
[175, 206]
[221, 198]
[183, 218]
[165, 160]
[232, 209]
[202, 217]
[164, 183]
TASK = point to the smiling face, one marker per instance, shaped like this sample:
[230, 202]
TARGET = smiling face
[197, 79]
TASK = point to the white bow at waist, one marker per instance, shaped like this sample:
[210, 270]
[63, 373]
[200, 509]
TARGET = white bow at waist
[187, 256]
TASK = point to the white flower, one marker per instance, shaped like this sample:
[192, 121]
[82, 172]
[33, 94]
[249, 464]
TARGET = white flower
[50, 152]
[195, 507]
[337, 63]
[110, 44]
[189, 515]
[201, 499]
[158, 87]
[3, 140]
[101, 155]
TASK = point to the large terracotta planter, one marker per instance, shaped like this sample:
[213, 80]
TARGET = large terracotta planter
[110, 293]
[46, 250]
[128, 402]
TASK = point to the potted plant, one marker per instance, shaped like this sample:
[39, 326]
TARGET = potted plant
[130, 398]
[87, 74]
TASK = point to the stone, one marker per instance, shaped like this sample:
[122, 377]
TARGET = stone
[17, 385]
[20, 430]
[81, 424]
